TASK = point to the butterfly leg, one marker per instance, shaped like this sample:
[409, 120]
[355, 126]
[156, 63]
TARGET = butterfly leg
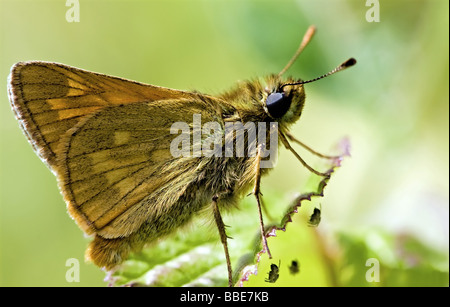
[257, 193]
[265, 210]
[292, 138]
[223, 238]
[288, 147]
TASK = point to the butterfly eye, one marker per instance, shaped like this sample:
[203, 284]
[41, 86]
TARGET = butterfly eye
[277, 104]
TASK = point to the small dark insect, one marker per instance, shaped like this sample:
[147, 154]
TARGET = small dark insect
[274, 272]
[314, 220]
[294, 268]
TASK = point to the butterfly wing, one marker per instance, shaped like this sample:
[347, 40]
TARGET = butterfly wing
[108, 141]
[118, 159]
[49, 99]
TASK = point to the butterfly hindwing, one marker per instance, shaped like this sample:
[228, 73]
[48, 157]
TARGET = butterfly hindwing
[119, 158]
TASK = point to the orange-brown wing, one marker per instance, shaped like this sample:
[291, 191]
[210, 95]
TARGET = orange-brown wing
[49, 99]
[117, 170]
[108, 141]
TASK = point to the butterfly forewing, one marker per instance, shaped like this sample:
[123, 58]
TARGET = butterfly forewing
[49, 99]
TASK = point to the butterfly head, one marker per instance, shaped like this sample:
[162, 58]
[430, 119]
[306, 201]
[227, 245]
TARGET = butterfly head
[283, 103]
[283, 100]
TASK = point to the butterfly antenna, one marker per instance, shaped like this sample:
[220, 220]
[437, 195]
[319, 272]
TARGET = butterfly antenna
[306, 39]
[350, 62]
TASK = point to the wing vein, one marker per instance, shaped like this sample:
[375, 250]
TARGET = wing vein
[112, 184]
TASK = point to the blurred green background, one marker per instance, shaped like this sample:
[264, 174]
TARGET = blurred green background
[389, 201]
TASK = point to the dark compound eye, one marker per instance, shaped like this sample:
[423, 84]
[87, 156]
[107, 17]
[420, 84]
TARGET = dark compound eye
[277, 104]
